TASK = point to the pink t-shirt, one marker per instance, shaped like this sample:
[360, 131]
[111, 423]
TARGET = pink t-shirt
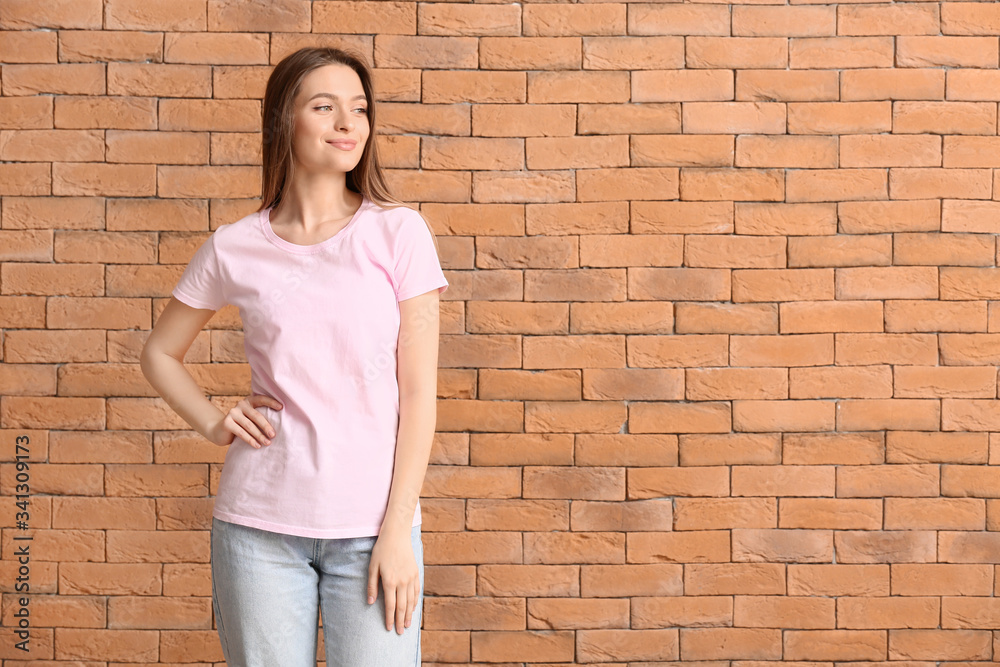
[320, 327]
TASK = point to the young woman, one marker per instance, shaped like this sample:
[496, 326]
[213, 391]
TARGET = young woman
[337, 284]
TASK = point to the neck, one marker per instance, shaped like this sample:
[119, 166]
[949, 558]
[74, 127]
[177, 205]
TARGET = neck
[312, 199]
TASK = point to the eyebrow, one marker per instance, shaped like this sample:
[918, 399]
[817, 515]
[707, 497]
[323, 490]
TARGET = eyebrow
[332, 96]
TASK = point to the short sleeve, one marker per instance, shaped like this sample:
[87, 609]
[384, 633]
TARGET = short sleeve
[201, 286]
[417, 268]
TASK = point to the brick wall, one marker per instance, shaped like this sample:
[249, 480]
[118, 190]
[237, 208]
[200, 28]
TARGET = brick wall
[719, 357]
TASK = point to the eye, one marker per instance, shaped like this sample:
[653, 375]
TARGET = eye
[362, 109]
[325, 106]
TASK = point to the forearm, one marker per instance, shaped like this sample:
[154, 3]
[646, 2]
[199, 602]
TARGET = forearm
[178, 388]
[417, 424]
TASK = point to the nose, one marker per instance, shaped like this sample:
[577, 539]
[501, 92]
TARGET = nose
[345, 122]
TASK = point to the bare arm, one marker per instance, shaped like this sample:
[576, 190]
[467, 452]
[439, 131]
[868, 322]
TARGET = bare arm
[162, 363]
[417, 352]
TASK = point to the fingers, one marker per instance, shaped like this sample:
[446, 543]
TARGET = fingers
[390, 604]
[372, 585]
[245, 425]
[251, 428]
[402, 603]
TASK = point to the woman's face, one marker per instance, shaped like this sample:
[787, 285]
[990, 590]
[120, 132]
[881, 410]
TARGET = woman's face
[330, 120]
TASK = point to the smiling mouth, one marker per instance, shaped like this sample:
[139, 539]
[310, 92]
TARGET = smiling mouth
[344, 145]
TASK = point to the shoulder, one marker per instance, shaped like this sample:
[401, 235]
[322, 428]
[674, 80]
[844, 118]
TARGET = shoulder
[225, 236]
[402, 219]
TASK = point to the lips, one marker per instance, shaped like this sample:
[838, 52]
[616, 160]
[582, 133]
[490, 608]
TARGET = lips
[344, 144]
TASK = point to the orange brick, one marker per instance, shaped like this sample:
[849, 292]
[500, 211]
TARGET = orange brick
[681, 611]
[787, 151]
[522, 120]
[838, 580]
[443, 87]
[703, 417]
[969, 85]
[782, 284]
[940, 644]
[733, 52]
[577, 87]
[678, 351]
[784, 350]
[888, 20]
[729, 449]
[726, 318]
[840, 52]
[713, 251]
[940, 579]
[862, 349]
[935, 514]
[730, 643]
[859, 217]
[817, 185]
[886, 546]
[969, 282]
[835, 644]
[784, 219]
[633, 52]
[830, 316]
[889, 413]
[830, 513]
[734, 117]
[725, 513]
[707, 384]
[573, 152]
[945, 51]
[216, 48]
[845, 118]
[939, 381]
[678, 150]
[768, 85]
[682, 85]
[686, 481]
[968, 19]
[891, 83]
[547, 20]
[924, 447]
[889, 612]
[944, 117]
[865, 150]
[697, 546]
[734, 579]
[641, 118]
[755, 415]
[783, 481]
[840, 250]
[956, 316]
[392, 17]
[796, 546]
[784, 21]
[181, 15]
[522, 53]
[679, 217]
[897, 481]
[667, 19]
[887, 283]
[840, 382]
[968, 152]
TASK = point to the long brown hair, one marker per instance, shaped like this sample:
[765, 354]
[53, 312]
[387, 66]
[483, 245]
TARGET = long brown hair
[277, 125]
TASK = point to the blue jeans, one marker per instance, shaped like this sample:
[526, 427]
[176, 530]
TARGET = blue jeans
[268, 590]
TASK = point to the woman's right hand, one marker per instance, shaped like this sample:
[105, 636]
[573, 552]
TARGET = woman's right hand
[244, 421]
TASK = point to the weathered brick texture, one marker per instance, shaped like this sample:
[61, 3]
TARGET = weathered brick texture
[718, 373]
